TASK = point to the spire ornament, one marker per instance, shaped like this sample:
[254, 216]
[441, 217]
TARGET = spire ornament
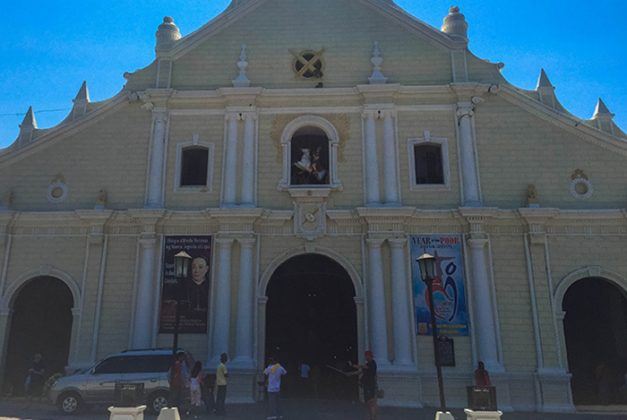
[27, 128]
[377, 77]
[242, 65]
[80, 101]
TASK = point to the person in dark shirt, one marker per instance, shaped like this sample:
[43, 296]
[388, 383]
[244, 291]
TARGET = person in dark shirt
[369, 384]
[197, 288]
[35, 378]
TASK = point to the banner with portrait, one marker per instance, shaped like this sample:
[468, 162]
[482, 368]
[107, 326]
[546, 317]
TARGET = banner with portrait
[451, 310]
[193, 292]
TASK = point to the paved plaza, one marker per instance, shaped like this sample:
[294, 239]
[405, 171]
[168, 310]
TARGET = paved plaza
[292, 410]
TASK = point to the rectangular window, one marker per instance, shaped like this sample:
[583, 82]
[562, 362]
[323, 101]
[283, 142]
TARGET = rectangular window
[194, 165]
[428, 164]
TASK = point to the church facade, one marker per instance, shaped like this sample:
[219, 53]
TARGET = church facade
[278, 150]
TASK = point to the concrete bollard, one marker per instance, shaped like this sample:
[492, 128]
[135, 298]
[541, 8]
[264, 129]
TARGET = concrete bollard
[444, 416]
[127, 413]
[169, 414]
[482, 415]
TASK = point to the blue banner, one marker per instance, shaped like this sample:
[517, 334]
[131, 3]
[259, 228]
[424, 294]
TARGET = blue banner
[451, 311]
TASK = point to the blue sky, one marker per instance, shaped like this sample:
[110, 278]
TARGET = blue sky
[49, 47]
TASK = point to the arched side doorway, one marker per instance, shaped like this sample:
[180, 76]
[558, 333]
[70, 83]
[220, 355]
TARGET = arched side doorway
[595, 331]
[311, 318]
[41, 322]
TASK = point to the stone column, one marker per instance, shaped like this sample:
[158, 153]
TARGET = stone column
[222, 302]
[245, 306]
[389, 160]
[155, 197]
[470, 180]
[400, 303]
[371, 170]
[144, 297]
[230, 161]
[248, 167]
[484, 311]
[376, 303]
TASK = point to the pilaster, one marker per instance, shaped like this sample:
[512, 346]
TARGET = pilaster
[371, 167]
[142, 331]
[248, 159]
[91, 286]
[156, 102]
[390, 160]
[377, 314]
[229, 189]
[401, 311]
[552, 377]
[246, 290]
[222, 301]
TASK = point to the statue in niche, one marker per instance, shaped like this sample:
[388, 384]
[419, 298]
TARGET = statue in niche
[310, 160]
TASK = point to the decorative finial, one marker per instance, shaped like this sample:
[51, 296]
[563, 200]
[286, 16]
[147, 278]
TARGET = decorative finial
[602, 111]
[602, 119]
[80, 101]
[27, 128]
[6, 200]
[532, 196]
[543, 81]
[242, 65]
[546, 90]
[167, 35]
[101, 200]
[377, 77]
[29, 120]
[455, 25]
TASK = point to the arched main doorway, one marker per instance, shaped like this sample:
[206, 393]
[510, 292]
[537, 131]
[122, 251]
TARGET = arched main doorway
[311, 318]
[41, 322]
[595, 326]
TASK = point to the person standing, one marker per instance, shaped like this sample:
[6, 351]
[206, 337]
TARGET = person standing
[305, 370]
[274, 372]
[178, 377]
[195, 388]
[368, 373]
[35, 378]
[221, 375]
[482, 377]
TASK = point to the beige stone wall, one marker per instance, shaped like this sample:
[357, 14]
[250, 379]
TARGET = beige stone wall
[346, 32]
[517, 148]
[117, 298]
[109, 154]
[513, 302]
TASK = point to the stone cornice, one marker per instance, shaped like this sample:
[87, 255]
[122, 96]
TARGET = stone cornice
[235, 220]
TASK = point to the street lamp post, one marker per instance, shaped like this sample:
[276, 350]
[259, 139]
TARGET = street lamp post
[426, 263]
[181, 270]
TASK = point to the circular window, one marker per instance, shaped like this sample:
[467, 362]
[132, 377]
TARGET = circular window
[308, 65]
[57, 192]
[581, 188]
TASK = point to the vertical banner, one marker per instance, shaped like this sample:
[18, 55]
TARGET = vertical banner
[192, 292]
[451, 311]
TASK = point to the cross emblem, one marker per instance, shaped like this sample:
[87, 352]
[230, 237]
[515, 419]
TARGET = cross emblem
[308, 64]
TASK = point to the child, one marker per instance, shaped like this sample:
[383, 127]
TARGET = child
[195, 385]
